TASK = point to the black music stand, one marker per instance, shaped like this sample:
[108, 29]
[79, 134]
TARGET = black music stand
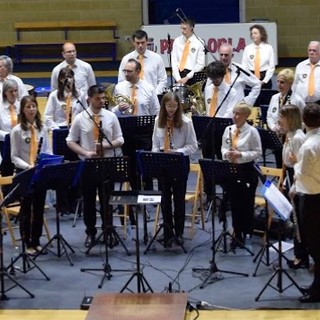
[279, 271]
[158, 165]
[58, 177]
[25, 181]
[111, 169]
[21, 186]
[131, 197]
[219, 171]
[59, 144]
[269, 140]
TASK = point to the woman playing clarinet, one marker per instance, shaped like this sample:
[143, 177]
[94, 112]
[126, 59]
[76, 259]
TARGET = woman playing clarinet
[173, 132]
[28, 139]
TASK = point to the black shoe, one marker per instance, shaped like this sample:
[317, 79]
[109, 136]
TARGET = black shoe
[309, 298]
[90, 240]
[298, 264]
[179, 241]
[40, 250]
[305, 290]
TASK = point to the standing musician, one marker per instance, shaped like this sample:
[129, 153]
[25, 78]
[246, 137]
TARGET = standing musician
[258, 56]
[85, 139]
[28, 139]
[141, 100]
[9, 112]
[278, 100]
[241, 144]
[188, 54]
[62, 105]
[307, 187]
[290, 125]
[152, 66]
[242, 75]
[173, 132]
[307, 75]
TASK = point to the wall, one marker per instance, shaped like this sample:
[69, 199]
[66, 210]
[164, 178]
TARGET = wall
[298, 22]
[127, 14]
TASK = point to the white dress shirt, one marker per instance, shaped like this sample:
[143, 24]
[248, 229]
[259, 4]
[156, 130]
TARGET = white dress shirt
[81, 130]
[295, 140]
[226, 108]
[20, 145]
[267, 63]
[55, 112]
[274, 108]
[153, 69]
[301, 81]
[22, 91]
[307, 168]
[249, 143]
[184, 139]
[195, 60]
[148, 102]
[83, 75]
[5, 118]
[244, 80]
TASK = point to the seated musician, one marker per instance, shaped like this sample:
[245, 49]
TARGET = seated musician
[28, 139]
[173, 132]
[241, 144]
[85, 140]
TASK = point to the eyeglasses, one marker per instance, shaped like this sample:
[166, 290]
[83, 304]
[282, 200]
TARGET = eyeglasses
[128, 71]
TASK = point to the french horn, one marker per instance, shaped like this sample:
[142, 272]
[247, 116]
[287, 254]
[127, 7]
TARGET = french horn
[114, 100]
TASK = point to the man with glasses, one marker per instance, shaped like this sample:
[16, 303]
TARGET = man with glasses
[243, 76]
[153, 69]
[83, 72]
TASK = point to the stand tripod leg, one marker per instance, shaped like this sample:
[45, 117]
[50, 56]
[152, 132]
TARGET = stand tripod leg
[3, 296]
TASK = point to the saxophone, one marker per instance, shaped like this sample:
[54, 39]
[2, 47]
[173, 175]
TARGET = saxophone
[114, 100]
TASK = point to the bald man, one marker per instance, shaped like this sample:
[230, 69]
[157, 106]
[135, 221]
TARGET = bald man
[245, 78]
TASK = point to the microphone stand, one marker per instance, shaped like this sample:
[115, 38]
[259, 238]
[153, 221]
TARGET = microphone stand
[170, 60]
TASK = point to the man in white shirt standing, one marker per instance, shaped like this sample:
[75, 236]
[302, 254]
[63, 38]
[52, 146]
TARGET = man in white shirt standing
[238, 73]
[83, 72]
[306, 82]
[188, 54]
[153, 69]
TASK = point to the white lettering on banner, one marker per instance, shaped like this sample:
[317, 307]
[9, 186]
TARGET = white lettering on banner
[213, 35]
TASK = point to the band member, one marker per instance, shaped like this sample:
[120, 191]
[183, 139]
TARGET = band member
[64, 103]
[307, 75]
[307, 187]
[241, 144]
[153, 69]
[9, 112]
[173, 132]
[86, 140]
[239, 76]
[28, 138]
[290, 124]
[187, 54]
[258, 56]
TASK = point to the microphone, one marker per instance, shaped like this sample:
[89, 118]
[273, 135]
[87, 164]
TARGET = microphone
[241, 70]
[169, 43]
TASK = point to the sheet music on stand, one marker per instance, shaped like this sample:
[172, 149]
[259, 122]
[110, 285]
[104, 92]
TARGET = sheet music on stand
[277, 200]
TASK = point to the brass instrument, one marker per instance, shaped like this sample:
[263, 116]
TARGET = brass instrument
[196, 97]
[114, 100]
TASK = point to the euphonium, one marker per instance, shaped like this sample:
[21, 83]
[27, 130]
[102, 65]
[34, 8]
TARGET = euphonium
[114, 100]
[196, 97]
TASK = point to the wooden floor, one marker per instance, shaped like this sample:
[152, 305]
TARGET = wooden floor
[204, 315]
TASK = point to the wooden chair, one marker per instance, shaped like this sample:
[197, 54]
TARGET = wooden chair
[13, 211]
[192, 196]
[275, 175]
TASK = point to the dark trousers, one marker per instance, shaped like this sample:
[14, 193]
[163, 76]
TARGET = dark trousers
[173, 188]
[267, 85]
[31, 217]
[91, 183]
[309, 208]
[241, 194]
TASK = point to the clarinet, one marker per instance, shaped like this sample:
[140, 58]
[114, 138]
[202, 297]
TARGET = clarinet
[99, 146]
[39, 150]
[294, 213]
[230, 139]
